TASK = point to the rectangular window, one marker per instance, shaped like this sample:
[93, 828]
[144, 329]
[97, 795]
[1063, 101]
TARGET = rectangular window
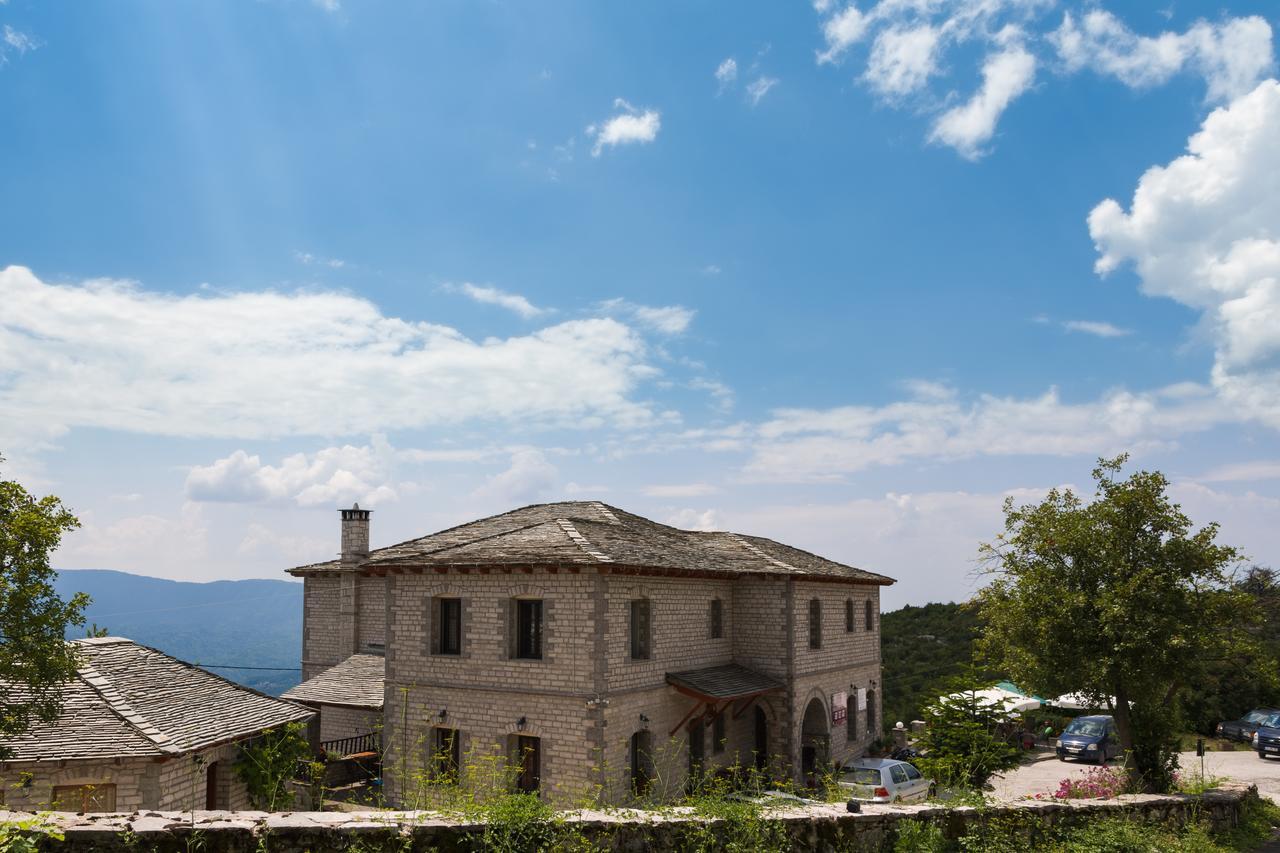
[84, 798]
[446, 754]
[640, 629]
[449, 626]
[815, 623]
[717, 733]
[717, 619]
[528, 628]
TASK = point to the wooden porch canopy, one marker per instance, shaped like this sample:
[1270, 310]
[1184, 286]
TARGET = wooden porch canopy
[717, 687]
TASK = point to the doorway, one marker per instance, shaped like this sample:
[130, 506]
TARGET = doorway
[761, 739]
[814, 743]
[528, 763]
[211, 787]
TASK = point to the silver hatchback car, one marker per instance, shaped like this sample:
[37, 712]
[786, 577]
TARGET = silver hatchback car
[884, 780]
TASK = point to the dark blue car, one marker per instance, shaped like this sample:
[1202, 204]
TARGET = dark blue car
[1089, 739]
[1266, 738]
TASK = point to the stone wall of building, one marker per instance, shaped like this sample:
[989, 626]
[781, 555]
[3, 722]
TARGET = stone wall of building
[320, 619]
[816, 828]
[371, 613]
[140, 783]
[340, 721]
[759, 620]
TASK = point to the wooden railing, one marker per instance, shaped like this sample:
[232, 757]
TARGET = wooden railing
[370, 742]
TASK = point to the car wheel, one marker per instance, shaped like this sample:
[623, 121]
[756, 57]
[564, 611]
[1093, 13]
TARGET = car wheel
[933, 790]
[1262, 755]
[1062, 758]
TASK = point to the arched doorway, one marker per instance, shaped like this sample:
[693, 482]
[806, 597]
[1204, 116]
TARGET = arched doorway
[761, 739]
[814, 742]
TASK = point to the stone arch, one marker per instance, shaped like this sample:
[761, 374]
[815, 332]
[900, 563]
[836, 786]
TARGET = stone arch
[815, 741]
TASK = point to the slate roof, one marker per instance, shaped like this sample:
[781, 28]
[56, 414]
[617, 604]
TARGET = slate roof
[356, 682]
[130, 700]
[724, 682]
[590, 533]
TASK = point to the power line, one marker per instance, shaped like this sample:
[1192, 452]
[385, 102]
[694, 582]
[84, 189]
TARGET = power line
[233, 666]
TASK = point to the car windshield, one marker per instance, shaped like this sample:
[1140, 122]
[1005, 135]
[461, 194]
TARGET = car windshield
[1255, 716]
[1085, 728]
[1272, 722]
[862, 775]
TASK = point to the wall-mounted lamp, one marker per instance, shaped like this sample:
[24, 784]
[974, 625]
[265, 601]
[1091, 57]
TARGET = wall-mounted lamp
[644, 722]
[521, 723]
[444, 712]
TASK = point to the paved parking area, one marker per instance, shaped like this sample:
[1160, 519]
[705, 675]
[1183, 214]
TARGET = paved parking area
[1043, 776]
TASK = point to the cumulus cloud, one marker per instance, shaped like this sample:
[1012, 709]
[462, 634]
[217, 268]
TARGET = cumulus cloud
[911, 41]
[331, 477]
[1205, 230]
[970, 126]
[111, 355]
[1096, 328]
[1231, 56]
[488, 295]
[529, 477]
[630, 126]
[810, 445]
[695, 519]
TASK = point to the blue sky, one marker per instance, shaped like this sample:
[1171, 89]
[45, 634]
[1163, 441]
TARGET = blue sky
[842, 274]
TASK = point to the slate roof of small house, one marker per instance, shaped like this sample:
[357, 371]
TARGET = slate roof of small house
[729, 681]
[356, 682]
[133, 701]
[582, 533]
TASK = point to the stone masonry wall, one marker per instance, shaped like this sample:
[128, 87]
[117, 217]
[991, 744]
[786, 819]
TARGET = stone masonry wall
[816, 828]
[319, 625]
[759, 622]
[339, 721]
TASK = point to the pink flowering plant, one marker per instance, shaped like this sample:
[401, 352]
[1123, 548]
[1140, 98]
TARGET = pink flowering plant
[1100, 783]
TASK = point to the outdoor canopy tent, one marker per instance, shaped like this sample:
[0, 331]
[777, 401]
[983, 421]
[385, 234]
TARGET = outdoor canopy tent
[1006, 700]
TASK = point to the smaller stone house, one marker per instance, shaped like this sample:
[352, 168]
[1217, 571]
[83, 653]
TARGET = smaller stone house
[348, 698]
[139, 730]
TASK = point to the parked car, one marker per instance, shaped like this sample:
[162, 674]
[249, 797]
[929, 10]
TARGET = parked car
[883, 780]
[1266, 737]
[1091, 738]
[1242, 729]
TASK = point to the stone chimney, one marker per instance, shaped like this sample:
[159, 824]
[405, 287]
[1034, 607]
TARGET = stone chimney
[355, 534]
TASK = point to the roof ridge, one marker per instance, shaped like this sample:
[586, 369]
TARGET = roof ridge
[581, 541]
[120, 706]
[761, 554]
[444, 548]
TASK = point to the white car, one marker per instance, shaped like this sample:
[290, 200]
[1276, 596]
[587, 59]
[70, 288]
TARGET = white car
[883, 780]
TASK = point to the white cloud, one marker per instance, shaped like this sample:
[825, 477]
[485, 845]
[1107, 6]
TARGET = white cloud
[493, 296]
[1231, 56]
[330, 6]
[529, 477]
[911, 42]
[695, 519]
[1096, 328]
[136, 541]
[967, 128]
[711, 269]
[727, 72]
[335, 476]
[309, 260]
[111, 355]
[1263, 469]
[681, 490]
[11, 39]
[801, 445]
[629, 126]
[902, 60]
[760, 87]
[1205, 230]
[296, 550]
[666, 319]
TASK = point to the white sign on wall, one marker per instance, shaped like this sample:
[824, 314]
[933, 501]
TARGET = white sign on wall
[862, 698]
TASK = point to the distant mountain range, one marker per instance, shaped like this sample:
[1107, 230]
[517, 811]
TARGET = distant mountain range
[247, 623]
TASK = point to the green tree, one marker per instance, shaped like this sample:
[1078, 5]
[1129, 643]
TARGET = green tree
[34, 656]
[269, 762]
[962, 744]
[1117, 598]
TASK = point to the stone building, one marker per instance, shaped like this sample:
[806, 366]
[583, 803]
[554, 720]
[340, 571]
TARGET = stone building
[139, 730]
[601, 652]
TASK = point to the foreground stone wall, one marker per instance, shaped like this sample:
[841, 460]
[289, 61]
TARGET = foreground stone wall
[818, 828]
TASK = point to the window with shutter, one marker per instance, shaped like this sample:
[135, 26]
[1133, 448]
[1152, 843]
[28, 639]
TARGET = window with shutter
[848, 616]
[641, 645]
[717, 619]
[449, 626]
[529, 628]
[815, 623]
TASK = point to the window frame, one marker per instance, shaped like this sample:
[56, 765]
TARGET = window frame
[869, 615]
[716, 617]
[446, 754]
[850, 620]
[529, 627]
[640, 629]
[815, 623]
[718, 736]
[443, 646]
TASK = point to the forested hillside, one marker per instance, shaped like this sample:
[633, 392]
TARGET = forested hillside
[921, 648]
[246, 623]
